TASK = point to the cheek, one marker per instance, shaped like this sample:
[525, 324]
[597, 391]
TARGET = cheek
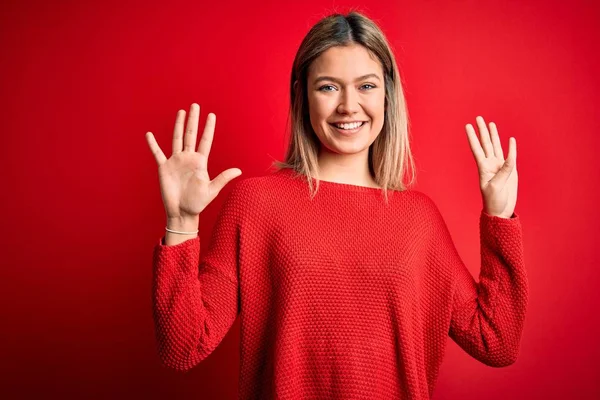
[320, 110]
[316, 114]
[313, 106]
[381, 103]
[377, 114]
[377, 109]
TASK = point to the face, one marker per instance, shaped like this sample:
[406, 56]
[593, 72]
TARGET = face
[345, 84]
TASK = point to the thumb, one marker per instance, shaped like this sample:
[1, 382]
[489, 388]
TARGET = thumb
[223, 179]
[503, 174]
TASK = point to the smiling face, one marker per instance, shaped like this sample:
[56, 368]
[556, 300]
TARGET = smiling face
[345, 84]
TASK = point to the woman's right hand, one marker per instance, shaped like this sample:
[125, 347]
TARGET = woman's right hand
[185, 186]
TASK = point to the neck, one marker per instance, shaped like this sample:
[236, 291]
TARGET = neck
[352, 169]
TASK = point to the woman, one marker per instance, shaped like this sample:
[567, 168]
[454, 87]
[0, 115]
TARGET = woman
[347, 282]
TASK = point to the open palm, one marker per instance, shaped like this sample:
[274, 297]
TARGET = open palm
[185, 186]
[498, 178]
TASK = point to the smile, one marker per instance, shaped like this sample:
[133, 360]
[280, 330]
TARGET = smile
[348, 128]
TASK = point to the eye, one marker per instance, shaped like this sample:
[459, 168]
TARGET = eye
[325, 86]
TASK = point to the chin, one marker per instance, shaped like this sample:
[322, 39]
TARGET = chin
[345, 148]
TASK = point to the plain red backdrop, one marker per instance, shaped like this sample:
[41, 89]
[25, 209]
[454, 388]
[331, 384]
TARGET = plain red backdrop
[83, 82]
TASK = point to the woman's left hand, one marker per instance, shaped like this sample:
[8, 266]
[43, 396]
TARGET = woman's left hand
[498, 178]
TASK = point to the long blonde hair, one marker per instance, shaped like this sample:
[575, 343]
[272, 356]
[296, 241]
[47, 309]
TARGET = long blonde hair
[390, 157]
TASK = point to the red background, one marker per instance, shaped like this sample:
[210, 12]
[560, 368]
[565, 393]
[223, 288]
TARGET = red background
[82, 83]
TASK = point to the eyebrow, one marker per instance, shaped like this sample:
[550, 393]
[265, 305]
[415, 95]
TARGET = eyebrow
[360, 78]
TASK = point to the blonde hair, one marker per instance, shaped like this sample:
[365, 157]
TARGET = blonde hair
[390, 157]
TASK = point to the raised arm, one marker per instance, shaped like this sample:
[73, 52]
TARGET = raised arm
[195, 299]
[487, 316]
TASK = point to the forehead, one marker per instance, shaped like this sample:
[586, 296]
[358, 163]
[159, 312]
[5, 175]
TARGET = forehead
[345, 62]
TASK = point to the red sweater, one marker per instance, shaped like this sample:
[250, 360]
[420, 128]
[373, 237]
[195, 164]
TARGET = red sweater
[341, 296]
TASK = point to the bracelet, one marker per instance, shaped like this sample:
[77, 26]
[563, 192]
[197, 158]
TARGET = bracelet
[181, 233]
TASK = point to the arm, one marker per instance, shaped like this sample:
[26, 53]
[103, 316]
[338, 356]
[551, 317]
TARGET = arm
[195, 300]
[487, 317]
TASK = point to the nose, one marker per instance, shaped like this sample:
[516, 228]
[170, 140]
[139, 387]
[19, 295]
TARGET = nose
[348, 102]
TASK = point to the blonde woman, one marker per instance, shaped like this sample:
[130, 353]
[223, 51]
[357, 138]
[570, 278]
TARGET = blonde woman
[346, 281]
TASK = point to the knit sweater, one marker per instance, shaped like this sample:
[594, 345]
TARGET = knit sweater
[341, 296]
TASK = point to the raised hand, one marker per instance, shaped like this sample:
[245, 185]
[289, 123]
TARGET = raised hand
[185, 186]
[498, 179]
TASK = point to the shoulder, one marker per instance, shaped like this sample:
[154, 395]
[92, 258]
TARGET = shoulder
[258, 191]
[422, 203]
[424, 210]
[256, 185]
[255, 199]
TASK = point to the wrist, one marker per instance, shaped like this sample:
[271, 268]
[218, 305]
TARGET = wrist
[187, 224]
[179, 230]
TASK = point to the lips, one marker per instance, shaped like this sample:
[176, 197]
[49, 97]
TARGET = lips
[335, 124]
[348, 131]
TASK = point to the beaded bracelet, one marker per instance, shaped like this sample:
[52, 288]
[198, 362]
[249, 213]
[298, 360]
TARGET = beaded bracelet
[181, 233]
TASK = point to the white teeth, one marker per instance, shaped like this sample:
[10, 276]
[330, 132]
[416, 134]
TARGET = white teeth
[351, 126]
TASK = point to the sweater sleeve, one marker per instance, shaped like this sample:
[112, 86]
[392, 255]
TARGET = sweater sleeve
[487, 317]
[195, 299]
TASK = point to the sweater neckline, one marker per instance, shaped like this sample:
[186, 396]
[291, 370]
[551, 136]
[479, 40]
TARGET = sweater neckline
[333, 185]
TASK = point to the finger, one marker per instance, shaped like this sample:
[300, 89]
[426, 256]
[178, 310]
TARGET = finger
[178, 132]
[512, 151]
[474, 143]
[223, 179]
[496, 141]
[485, 137]
[191, 130]
[159, 156]
[207, 136]
[508, 167]
[511, 158]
